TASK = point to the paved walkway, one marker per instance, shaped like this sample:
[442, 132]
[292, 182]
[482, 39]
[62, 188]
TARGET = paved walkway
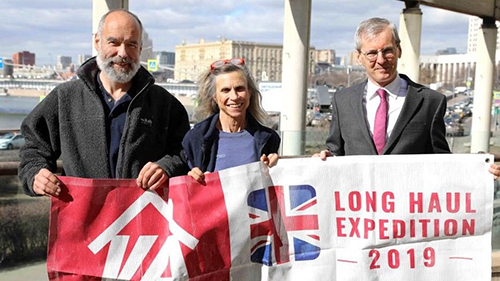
[34, 272]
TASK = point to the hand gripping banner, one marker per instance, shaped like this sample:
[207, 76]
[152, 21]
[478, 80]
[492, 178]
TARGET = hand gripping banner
[418, 217]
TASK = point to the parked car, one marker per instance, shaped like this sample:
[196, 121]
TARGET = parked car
[450, 109]
[319, 120]
[273, 120]
[11, 141]
[467, 111]
[456, 117]
[453, 128]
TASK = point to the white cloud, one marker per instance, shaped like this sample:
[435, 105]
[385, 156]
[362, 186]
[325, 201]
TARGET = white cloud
[64, 27]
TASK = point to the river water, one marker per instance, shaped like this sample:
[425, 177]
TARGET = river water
[14, 109]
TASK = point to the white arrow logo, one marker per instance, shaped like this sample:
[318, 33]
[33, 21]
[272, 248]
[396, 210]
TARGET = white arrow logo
[170, 250]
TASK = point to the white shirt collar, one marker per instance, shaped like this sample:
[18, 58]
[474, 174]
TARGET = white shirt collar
[392, 88]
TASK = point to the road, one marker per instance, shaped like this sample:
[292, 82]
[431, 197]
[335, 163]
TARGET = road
[460, 144]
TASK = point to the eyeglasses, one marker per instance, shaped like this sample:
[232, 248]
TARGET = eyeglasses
[388, 53]
[219, 63]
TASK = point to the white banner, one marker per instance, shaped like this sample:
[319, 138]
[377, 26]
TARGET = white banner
[418, 217]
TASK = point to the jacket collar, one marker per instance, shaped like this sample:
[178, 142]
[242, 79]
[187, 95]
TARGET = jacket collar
[412, 102]
[210, 136]
[211, 132]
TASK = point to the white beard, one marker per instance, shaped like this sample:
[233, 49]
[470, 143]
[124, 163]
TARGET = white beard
[120, 75]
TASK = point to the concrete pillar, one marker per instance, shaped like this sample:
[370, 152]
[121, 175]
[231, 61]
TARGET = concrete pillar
[297, 26]
[453, 76]
[434, 72]
[449, 72]
[410, 29]
[99, 8]
[463, 72]
[446, 73]
[459, 72]
[455, 72]
[439, 76]
[485, 69]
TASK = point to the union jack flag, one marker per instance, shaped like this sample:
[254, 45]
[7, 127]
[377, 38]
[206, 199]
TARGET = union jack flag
[284, 224]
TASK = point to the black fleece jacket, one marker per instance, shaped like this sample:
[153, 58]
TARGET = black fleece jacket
[70, 123]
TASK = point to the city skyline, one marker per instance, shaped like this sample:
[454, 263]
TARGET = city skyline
[50, 28]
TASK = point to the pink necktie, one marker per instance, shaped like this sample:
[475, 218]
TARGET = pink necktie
[380, 128]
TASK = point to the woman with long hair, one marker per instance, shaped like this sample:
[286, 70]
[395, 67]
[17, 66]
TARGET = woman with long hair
[231, 133]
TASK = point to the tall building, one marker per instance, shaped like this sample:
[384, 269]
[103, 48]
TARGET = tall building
[447, 51]
[325, 56]
[262, 59]
[147, 48]
[8, 68]
[165, 58]
[474, 25]
[352, 58]
[63, 62]
[82, 58]
[23, 58]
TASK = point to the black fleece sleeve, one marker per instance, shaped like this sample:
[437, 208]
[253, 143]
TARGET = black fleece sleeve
[42, 147]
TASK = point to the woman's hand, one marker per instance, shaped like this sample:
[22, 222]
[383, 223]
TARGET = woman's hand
[270, 160]
[197, 175]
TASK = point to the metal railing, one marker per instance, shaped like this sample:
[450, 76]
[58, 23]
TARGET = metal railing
[10, 168]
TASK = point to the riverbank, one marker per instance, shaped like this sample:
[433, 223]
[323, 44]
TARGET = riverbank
[26, 92]
[185, 100]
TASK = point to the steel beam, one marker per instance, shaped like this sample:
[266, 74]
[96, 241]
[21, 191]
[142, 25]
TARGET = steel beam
[480, 8]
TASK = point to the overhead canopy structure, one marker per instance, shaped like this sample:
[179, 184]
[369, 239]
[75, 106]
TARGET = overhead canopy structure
[479, 8]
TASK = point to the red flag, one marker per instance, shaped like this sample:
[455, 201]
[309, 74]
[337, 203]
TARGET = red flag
[114, 229]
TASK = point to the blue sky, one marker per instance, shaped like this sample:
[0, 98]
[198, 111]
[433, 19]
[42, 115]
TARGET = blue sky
[50, 28]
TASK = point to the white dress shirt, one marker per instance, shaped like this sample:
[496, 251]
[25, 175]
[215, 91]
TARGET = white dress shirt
[396, 91]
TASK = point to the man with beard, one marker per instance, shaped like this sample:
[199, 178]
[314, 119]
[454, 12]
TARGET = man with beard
[112, 122]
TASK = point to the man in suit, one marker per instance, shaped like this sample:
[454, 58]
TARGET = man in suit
[388, 113]
[412, 119]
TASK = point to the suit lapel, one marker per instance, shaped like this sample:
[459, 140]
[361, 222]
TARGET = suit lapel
[359, 113]
[412, 102]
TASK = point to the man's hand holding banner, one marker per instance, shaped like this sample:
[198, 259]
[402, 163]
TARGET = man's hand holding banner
[424, 217]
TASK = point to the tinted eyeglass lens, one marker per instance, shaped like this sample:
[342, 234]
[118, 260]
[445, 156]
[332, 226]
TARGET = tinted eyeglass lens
[218, 63]
[236, 61]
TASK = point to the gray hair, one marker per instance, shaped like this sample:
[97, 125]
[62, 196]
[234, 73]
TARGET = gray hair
[370, 28]
[103, 19]
[207, 91]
